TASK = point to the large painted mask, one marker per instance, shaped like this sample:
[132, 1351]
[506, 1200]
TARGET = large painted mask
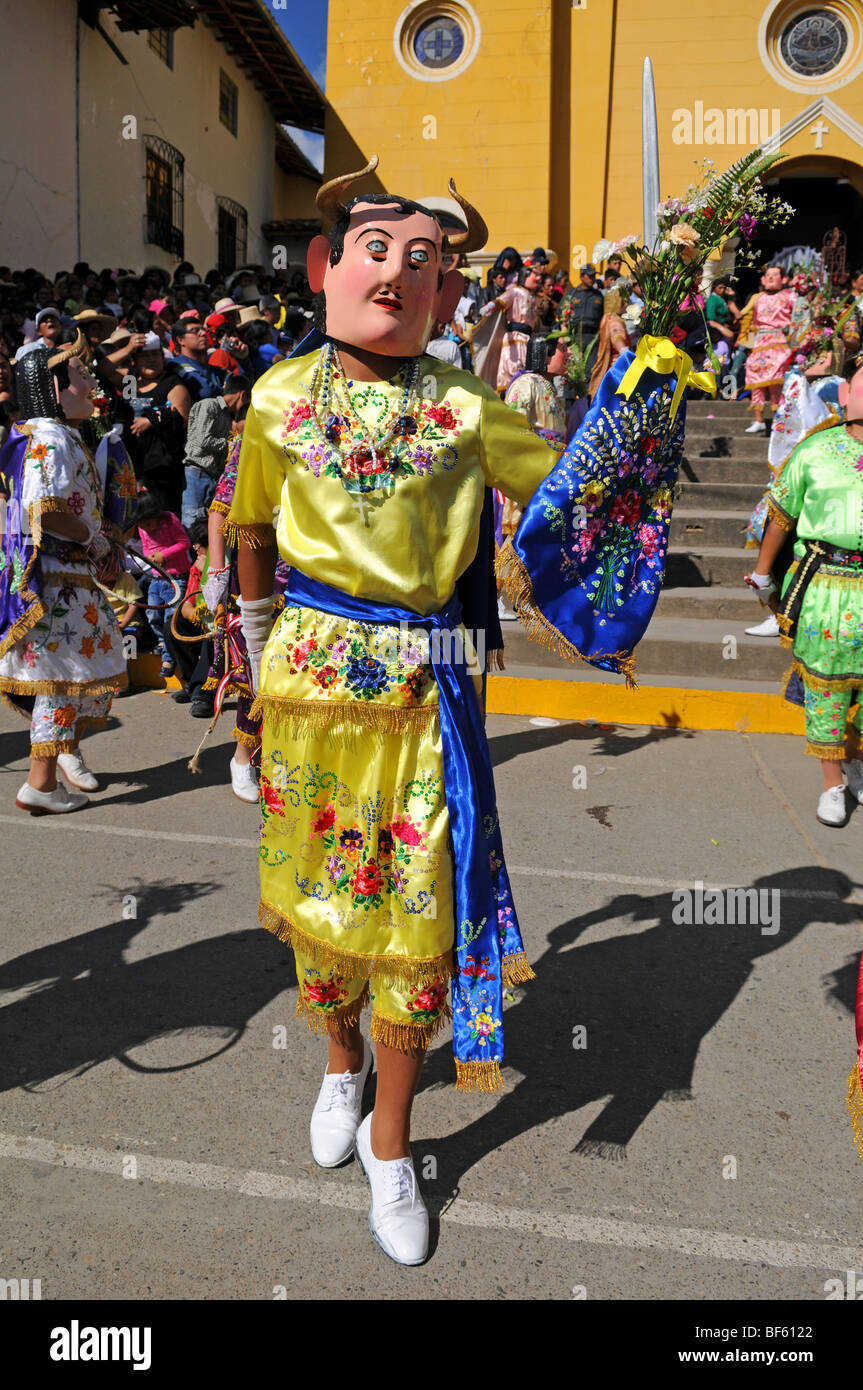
[380, 268]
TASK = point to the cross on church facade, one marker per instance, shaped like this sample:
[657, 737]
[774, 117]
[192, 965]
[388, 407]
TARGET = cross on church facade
[819, 130]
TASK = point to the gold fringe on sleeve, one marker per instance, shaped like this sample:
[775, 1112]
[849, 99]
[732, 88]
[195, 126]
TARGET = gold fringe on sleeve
[515, 970]
[478, 1076]
[518, 587]
[217, 505]
[247, 740]
[257, 535]
[775, 513]
[854, 1106]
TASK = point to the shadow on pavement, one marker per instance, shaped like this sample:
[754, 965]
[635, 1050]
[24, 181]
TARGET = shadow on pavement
[89, 1004]
[646, 999]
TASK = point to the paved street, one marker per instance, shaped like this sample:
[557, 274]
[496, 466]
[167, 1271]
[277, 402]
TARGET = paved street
[144, 1044]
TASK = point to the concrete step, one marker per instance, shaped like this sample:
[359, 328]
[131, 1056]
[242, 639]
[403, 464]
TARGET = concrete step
[699, 527]
[725, 470]
[717, 602]
[718, 409]
[722, 427]
[708, 495]
[696, 566]
[680, 648]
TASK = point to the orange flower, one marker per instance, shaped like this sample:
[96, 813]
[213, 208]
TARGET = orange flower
[65, 716]
[105, 644]
[91, 614]
[38, 451]
[86, 648]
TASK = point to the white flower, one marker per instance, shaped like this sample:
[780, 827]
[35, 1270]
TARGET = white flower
[602, 250]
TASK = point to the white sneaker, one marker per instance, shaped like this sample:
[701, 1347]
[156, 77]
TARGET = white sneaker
[505, 614]
[757, 427]
[854, 778]
[398, 1219]
[244, 783]
[54, 803]
[769, 628]
[336, 1115]
[76, 771]
[831, 807]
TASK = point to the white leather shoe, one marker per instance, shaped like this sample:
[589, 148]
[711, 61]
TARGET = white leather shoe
[76, 771]
[398, 1219]
[336, 1115]
[54, 803]
[757, 427]
[244, 783]
[831, 807]
[854, 778]
[769, 628]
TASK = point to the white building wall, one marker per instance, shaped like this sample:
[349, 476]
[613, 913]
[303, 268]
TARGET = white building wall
[37, 145]
[180, 105]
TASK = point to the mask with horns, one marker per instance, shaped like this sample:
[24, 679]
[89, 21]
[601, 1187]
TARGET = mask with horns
[380, 267]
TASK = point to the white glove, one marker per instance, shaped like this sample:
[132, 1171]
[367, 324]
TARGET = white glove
[763, 584]
[257, 622]
[487, 309]
[215, 588]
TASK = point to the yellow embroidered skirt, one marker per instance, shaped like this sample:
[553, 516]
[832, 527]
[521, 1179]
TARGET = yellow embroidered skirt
[355, 859]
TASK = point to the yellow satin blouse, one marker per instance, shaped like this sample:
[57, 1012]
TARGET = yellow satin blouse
[407, 544]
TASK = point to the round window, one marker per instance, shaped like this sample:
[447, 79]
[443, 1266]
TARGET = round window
[439, 42]
[814, 43]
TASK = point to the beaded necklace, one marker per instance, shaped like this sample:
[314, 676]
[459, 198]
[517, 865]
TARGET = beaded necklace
[366, 461]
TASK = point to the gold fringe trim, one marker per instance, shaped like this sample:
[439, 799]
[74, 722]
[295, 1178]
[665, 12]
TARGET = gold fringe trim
[60, 578]
[404, 1036]
[222, 508]
[247, 740]
[48, 504]
[837, 578]
[826, 752]
[518, 587]
[782, 519]
[828, 685]
[324, 1021]
[313, 715]
[854, 1106]
[515, 970]
[752, 545]
[478, 1076]
[387, 969]
[98, 687]
[52, 748]
[495, 659]
[257, 536]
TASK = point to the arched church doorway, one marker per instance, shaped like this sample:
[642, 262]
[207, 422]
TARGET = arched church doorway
[825, 194]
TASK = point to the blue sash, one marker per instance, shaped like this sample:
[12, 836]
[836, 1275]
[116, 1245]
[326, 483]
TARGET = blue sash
[488, 950]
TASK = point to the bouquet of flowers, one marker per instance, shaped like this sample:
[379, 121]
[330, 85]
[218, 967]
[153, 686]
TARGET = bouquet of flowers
[694, 228]
[577, 370]
[585, 567]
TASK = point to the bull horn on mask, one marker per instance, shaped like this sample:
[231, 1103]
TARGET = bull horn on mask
[79, 347]
[329, 196]
[476, 235]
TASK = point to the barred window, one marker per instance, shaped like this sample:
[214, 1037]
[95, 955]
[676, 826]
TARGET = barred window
[162, 42]
[233, 223]
[227, 102]
[164, 193]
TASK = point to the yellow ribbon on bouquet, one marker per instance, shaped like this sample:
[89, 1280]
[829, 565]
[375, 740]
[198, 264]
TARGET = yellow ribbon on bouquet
[661, 356]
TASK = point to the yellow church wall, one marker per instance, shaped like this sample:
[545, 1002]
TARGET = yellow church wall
[543, 128]
[711, 57]
[488, 128]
